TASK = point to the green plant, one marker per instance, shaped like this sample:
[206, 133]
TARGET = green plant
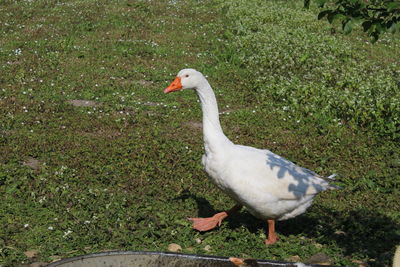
[377, 16]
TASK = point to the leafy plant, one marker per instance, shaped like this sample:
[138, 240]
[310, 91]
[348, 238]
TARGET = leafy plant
[310, 75]
[375, 16]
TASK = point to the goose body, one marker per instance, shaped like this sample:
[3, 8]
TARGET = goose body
[268, 185]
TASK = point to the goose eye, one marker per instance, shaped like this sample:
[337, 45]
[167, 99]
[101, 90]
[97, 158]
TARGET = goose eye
[187, 75]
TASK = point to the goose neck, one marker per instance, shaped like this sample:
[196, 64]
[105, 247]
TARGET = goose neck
[214, 137]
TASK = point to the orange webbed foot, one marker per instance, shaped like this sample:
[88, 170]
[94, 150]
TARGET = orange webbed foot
[206, 224]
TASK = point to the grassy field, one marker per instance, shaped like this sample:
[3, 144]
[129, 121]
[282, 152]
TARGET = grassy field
[94, 157]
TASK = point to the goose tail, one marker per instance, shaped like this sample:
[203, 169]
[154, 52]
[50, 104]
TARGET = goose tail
[332, 177]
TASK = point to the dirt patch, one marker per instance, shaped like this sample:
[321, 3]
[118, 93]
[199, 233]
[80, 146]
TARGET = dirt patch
[32, 163]
[144, 82]
[152, 104]
[103, 133]
[194, 125]
[83, 103]
[31, 253]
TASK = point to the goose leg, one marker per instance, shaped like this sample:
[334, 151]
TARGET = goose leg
[205, 224]
[272, 237]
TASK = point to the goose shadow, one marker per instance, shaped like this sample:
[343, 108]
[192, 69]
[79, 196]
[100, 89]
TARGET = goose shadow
[205, 209]
[357, 232]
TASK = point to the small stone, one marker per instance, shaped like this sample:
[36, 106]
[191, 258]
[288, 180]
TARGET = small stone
[360, 263]
[237, 261]
[38, 264]
[244, 262]
[31, 253]
[318, 245]
[339, 232]
[207, 248]
[319, 258]
[295, 258]
[174, 247]
[198, 240]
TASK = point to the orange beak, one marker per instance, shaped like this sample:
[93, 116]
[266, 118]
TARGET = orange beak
[176, 85]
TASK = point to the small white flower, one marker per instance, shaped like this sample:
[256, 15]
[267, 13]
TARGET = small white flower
[26, 225]
[67, 233]
[18, 51]
[50, 228]
[86, 222]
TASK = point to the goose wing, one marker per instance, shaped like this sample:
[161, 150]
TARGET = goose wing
[277, 176]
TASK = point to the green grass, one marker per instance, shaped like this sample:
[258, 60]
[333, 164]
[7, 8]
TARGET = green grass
[125, 174]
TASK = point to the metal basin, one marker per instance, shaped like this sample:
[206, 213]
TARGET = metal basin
[153, 259]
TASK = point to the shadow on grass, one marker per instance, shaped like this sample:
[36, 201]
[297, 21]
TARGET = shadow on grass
[358, 232]
[204, 207]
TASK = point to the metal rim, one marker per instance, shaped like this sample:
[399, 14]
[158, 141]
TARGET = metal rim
[168, 254]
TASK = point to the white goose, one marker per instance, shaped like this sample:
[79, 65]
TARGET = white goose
[269, 186]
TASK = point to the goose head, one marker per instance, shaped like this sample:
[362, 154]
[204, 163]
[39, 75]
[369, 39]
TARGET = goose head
[186, 79]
